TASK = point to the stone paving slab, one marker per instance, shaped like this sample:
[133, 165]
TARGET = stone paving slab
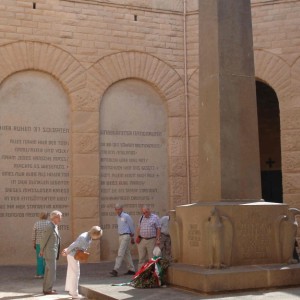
[18, 283]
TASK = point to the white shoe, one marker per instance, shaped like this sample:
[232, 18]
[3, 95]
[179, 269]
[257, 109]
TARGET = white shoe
[78, 297]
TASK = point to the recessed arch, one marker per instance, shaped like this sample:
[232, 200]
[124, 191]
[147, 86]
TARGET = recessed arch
[27, 55]
[35, 112]
[133, 154]
[274, 71]
[20, 56]
[166, 82]
[124, 65]
[269, 142]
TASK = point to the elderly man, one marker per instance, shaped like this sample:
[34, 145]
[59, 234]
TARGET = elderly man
[165, 239]
[37, 234]
[126, 235]
[148, 235]
[50, 245]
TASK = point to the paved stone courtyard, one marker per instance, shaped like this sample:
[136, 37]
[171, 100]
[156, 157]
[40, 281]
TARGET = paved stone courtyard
[18, 283]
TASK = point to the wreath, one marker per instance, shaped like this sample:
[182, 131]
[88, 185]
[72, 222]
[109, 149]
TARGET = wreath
[151, 274]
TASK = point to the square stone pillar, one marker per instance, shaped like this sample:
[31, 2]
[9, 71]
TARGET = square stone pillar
[229, 146]
[229, 241]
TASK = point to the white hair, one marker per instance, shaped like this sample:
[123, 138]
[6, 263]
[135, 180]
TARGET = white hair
[54, 214]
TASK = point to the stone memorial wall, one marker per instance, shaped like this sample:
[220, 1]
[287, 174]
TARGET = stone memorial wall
[133, 155]
[34, 160]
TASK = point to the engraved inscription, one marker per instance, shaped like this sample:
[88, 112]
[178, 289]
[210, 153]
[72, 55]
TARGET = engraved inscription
[34, 159]
[130, 176]
[133, 154]
[34, 171]
[254, 238]
[194, 235]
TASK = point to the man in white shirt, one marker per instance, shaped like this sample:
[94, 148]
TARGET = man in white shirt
[165, 240]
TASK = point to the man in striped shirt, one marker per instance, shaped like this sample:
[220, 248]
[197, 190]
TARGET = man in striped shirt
[37, 233]
[148, 235]
[126, 235]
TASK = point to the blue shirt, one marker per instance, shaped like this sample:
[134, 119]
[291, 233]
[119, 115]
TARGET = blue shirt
[125, 224]
[164, 223]
[82, 243]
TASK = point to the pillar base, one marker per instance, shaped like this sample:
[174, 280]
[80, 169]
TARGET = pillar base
[234, 278]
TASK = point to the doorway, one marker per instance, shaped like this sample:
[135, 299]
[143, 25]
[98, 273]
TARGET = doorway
[269, 142]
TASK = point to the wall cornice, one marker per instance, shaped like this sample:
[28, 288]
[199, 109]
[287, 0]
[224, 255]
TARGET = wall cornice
[270, 2]
[166, 6]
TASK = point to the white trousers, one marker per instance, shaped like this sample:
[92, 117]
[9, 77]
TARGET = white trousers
[124, 253]
[73, 274]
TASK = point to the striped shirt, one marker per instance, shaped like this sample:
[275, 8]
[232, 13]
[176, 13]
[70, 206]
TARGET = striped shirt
[125, 224]
[38, 230]
[149, 226]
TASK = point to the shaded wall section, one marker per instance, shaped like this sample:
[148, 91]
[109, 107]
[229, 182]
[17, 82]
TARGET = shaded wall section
[34, 160]
[133, 155]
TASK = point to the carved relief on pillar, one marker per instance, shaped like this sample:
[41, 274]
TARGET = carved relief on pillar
[285, 236]
[218, 234]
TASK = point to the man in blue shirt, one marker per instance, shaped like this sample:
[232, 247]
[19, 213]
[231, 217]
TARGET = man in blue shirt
[126, 235]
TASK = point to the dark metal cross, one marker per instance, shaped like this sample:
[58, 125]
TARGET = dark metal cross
[270, 162]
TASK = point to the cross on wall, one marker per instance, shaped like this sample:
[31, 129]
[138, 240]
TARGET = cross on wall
[270, 162]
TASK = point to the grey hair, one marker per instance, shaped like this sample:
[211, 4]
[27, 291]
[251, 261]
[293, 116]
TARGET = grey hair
[147, 207]
[54, 214]
[118, 206]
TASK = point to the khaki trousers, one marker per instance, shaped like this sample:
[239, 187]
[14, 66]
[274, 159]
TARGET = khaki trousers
[124, 253]
[145, 250]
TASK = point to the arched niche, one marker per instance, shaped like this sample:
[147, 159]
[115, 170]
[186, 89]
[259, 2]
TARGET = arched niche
[133, 155]
[34, 160]
[269, 142]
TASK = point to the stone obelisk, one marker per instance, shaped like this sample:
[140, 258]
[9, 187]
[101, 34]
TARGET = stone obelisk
[230, 239]
[229, 148]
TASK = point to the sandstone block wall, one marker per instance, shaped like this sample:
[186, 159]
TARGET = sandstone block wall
[89, 45]
[277, 47]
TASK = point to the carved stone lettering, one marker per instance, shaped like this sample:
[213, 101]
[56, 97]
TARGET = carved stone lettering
[194, 235]
[34, 158]
[133, 154]
[255, 238]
